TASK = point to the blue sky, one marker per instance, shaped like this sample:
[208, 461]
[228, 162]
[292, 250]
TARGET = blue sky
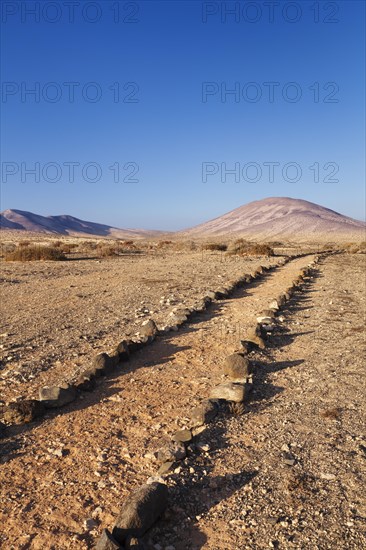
[172, 130]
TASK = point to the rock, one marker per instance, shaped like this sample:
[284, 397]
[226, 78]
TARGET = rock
[21, 412]
[183, 436]
[274, 305]
[237, 366]
[267, 313]
[148, 330]
[221, 293]
[211, 294]
[113, 359]
[264, 320]
[134, 345]
[165, 467]
[171, 452]
[141, 510]
[204, 413]
[229, 391]
[57, 396]
[107, 541]
[85, 381]
[101, 364]
[132, 543]
[123, 351]
[254, 335]
[2, 430]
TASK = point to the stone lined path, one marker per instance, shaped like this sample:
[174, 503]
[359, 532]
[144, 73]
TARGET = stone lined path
[64, 479]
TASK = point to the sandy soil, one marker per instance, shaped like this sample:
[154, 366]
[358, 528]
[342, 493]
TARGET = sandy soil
[64, 478]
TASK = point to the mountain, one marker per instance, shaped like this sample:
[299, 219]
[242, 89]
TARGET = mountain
[66, 225]
[282, 218]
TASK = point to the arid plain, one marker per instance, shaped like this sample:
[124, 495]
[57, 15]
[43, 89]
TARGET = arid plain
[282, 466]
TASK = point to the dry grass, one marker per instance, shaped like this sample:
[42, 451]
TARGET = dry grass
[222, 247]
[35, 253]
[241, 247]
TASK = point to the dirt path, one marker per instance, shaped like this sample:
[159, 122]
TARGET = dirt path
[64, 478]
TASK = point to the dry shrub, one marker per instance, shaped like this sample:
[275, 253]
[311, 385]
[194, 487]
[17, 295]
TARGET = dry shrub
[355, 248]
[164, 244]
[6, 248]
[31, 253]
[242, 247]
[215, 246]
[115, 249]
[24, 243]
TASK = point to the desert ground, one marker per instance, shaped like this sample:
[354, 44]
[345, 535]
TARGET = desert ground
[285, 469]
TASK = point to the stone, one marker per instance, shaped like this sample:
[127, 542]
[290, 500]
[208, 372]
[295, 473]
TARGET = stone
[264, 320]
[107, 541]
[57, 396]
[148, 330]
[229, 391]
[140, 511]
[204, 413]
[2, 430]
[85, 381]
[165, 467]
[101, 363]
[211, 294]
[132, 543]
[237, 366]
[274, 305]
[134, 345]
[254, 335]
[221, 293]
[22, 412]
[184, 436]
[123, 351]
[174, 450]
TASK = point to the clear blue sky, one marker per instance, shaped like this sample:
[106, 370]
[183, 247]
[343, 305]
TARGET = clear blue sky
[169, 50]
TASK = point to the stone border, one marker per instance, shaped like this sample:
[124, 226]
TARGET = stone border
[145, 505]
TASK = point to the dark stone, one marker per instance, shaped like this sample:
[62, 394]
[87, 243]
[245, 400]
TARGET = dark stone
[107, 542]
[171, 452]
[21, 412]
[123, 351]
[134, 345]
[101, 363]
[141, 510]
[2, 430]
[57, 396]
[237, 366]
[85, 381]
[204, 413]
[222, 293]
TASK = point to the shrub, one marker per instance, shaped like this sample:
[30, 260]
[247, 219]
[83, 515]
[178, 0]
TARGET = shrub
[24, 243]
[215, 246]
[30, 253]
[242, 247]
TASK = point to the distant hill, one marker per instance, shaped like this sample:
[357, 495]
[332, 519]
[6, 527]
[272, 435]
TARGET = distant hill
[282, 218]
[66, 225]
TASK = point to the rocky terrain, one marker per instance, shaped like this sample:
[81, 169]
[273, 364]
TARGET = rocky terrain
[282, 469]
